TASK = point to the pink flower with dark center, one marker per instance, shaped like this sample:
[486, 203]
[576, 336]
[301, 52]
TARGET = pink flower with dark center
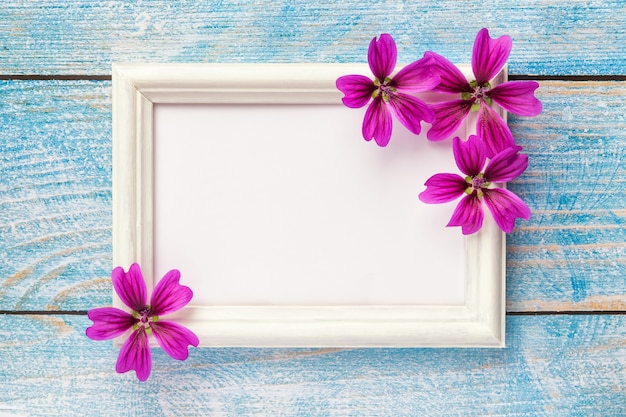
[477, 185]
[388, 94]
[488, 58]
[168, 296]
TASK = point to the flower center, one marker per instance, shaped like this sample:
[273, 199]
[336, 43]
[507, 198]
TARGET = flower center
[383, 88]
[144, 319]
[478, 95]
[476, 183]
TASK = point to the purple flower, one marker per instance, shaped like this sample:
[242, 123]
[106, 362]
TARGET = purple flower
[470, 157]
[168, 296]
[388, 93]
[488, 58]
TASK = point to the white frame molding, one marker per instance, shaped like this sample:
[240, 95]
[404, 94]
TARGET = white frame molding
[137, 87]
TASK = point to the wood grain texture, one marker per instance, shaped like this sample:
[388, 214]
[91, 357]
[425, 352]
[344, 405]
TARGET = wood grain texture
[575, 185]
[55, 194]
[553, 366]
[85, 37]
[55, 229]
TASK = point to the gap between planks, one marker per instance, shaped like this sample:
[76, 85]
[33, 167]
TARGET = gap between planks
[512, 77]
[508, 313]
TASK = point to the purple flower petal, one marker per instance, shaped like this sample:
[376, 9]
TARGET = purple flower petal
[130, 286]
[505, 207]
[506, 165]
[489, 55]
[135, 354]
[493, 130]
[468, 214]
[357, 89]
[517, 97]
[469, 155]
[174, 338]
[377, 122]
[448, 117]
[442, 188]
[108, 322]
[168, 295]
[417, 76]
[382, 56]
[452, 80]
[410, 111]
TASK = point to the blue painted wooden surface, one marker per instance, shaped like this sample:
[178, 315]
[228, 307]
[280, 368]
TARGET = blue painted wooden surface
[55, 213]
[553, 366]
[84, 37]
[55, 195]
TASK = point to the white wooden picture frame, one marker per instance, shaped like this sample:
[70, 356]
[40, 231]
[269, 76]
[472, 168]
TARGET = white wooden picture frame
[298, 289]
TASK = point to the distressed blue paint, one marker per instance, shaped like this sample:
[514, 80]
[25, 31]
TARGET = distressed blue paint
[575, 184]
[553, 366]
[85, 37]
[55, 196]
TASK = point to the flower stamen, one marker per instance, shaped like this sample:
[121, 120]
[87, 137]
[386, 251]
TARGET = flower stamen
[143, 318]
[384, 89]
[476, 183]
[478, 95]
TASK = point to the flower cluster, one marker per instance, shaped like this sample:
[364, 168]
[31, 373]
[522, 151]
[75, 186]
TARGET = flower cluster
[489, 157]
[144, 320]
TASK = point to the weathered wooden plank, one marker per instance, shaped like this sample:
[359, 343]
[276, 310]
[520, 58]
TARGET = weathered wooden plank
[575, 242]
[55, 202]
[85, 37]
[55, 194]
[553, 366]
